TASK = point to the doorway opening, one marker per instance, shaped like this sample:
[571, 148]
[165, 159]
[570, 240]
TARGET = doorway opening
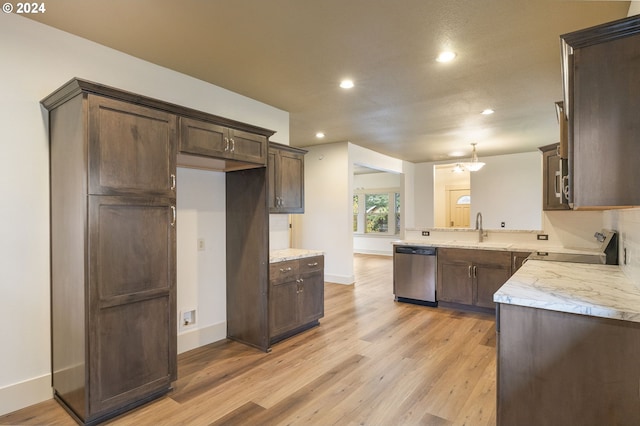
[452, 197]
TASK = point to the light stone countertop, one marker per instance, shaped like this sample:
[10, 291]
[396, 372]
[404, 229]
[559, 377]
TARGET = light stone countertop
[291, 254]
[491, 245]
[593, 290]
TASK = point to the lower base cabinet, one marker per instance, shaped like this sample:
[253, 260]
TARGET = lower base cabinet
[470, 276]
[557, 368]
[296, 296]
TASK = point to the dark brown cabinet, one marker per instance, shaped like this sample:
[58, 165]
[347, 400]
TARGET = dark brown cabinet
[113, 240]
[554, 172]
[296, 296]
[113, 267]
[208, 139]
[601, 84]
[557, 368]
[286, 179]
[471, 277]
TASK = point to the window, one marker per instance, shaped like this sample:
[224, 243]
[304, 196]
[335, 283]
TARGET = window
[376, 212]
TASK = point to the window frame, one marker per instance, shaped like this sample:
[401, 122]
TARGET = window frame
[392, 214]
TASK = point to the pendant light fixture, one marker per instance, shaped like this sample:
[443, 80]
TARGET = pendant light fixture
[474, 165]
[457, 168]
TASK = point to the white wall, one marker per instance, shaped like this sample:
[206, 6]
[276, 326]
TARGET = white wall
[423, 196]
[627, 223]
[326, 222]
[36, 60]
[516, 199]
[634, 8]
[508, 188]
[201, 273]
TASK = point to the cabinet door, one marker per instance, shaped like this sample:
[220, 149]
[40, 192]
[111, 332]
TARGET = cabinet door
[132, 149]
[283, 307]
[603, 115]
[203, 138]
[248, 147]
[311, 293]
[132, 320]
[488, 279]
[455, 282]
[311, 297]
[291, 185]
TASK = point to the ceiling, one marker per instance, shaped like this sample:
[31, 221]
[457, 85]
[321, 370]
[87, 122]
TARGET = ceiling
[292, 54]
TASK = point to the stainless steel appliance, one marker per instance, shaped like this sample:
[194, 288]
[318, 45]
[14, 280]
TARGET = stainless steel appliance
[414, 274]
[607, 253]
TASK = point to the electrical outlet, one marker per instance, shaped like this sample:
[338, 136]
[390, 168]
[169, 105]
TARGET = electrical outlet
[188, 317]
[502, 224]
[201, 244]
[425, 233]
[543, 237]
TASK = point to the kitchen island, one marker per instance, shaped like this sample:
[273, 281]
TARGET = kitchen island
[568, 346]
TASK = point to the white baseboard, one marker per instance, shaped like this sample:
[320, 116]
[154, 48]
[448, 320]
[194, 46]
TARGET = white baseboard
[339, 279]
[32, 391]
[191, 339]
[23, 394]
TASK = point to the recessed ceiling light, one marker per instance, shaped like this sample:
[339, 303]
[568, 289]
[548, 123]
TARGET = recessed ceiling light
[487, 111]
[319, 135]
[346, 84]
[446, 56]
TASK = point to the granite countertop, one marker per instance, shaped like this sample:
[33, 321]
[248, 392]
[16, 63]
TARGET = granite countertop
[291, 254]
[594, 290]
[492, 245]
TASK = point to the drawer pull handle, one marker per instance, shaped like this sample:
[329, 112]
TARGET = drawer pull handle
[173, 215]
[312, 264]
[289, 269]
[173, 182]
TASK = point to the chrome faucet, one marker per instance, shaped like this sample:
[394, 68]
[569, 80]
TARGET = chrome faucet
[479, 226]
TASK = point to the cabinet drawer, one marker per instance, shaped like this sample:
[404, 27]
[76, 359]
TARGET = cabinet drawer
[280, 272]
[311, 264]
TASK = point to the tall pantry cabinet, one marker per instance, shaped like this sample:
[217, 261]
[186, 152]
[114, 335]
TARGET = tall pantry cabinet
[113, 260]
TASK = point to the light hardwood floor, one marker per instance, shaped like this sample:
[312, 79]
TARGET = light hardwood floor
[372, 361]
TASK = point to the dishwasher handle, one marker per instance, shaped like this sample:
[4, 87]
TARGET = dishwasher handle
[423, 251]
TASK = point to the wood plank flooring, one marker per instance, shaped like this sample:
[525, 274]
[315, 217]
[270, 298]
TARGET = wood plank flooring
[372, 361]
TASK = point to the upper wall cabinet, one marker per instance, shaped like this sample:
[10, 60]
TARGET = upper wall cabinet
[206, 139]
[286, 179]
[601, 66]
[132, 149]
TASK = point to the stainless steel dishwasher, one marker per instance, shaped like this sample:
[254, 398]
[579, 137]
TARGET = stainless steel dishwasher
[414, 275]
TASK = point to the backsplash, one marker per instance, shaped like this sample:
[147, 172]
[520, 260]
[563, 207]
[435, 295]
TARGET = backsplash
[627, 223]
